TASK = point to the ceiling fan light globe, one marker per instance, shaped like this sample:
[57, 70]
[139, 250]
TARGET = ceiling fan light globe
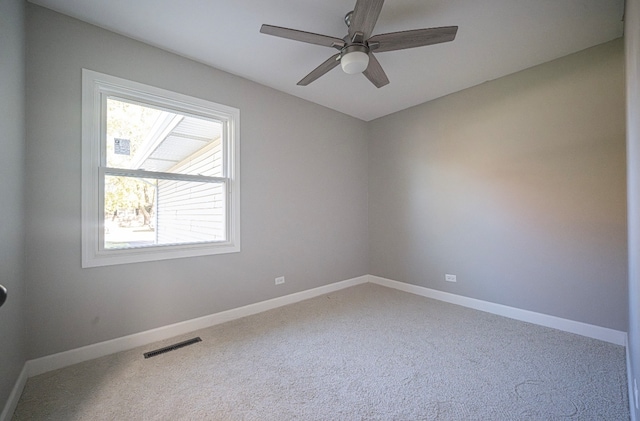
[354, 62]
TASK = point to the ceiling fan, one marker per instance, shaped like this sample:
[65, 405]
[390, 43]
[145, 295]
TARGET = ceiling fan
[356, 48]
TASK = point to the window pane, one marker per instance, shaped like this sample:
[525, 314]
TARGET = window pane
[130, 212]
[150, 212]
[143, 137]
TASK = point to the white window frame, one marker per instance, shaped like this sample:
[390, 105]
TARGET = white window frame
[95, 89]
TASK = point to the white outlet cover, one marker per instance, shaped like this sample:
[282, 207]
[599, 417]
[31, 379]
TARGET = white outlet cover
[450, 278]
[280, 280]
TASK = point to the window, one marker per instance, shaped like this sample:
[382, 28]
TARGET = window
[159, 174]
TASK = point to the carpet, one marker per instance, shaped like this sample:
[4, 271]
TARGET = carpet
[362, 353]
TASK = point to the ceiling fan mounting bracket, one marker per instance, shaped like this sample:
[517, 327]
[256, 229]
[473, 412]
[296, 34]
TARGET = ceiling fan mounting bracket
[347, 18]
[338, 45]
[357, 38]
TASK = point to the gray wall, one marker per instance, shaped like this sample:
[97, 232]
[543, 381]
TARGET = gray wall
[632, 44]
[12, 120]
[304, 195]
[517, 186]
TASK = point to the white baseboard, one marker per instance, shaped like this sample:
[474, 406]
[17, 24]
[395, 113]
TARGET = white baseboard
[632, 403]
[89, 352]
[74, 356]
[14, 397]
[597, 332]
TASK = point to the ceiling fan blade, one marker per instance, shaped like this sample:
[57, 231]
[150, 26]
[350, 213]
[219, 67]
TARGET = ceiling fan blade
[302, 36]
[364, 18]
[329, 64]
[374, 72]
[410, 39]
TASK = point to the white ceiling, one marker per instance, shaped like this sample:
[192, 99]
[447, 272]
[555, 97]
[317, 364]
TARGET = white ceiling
[495, 38]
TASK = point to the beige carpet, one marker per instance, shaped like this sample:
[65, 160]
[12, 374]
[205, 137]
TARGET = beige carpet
[363, 353]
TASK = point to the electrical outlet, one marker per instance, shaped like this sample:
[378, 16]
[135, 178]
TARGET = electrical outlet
[280, 280]
[450, 278]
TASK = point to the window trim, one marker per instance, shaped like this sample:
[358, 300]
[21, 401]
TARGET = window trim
[95, 88]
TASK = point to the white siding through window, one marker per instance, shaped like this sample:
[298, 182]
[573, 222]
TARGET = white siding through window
[190, 211]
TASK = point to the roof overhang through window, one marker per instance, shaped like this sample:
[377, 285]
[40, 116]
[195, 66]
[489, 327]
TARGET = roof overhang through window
[174, 138]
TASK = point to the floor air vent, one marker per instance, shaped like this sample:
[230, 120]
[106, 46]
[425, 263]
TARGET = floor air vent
[172, 347]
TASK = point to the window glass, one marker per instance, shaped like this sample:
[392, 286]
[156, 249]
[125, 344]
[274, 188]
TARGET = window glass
[143, 212]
